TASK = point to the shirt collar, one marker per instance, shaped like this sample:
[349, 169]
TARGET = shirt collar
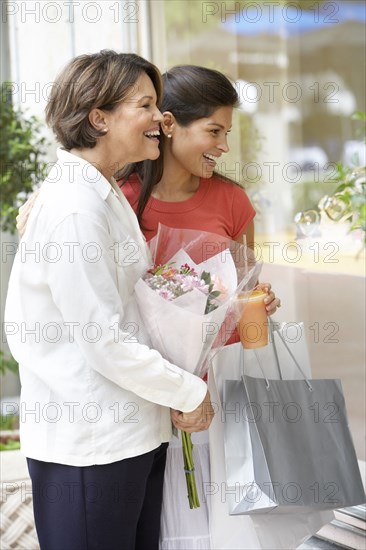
[89, 173]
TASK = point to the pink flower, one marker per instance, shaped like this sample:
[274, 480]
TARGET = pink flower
[170, 283]
[169, 273]
[165, 293]
[219, 286]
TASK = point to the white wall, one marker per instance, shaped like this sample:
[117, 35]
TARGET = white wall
[45, 35]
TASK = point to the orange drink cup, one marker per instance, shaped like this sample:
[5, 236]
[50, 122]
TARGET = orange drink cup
[253, 323]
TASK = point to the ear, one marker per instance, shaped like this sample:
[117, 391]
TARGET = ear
[97, 119]
[168, 123]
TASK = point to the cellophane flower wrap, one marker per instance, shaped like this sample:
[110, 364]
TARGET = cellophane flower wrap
[188, 302]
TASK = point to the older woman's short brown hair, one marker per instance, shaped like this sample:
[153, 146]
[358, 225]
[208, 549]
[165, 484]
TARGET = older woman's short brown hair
[98, 80]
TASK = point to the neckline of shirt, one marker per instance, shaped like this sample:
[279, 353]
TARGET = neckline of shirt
[182, 206]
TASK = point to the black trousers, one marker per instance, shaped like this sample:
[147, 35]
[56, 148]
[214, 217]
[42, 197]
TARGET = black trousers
[109, 507]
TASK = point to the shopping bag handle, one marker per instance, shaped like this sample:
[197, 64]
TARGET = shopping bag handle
[291, 355]
[260, 366]
[272, 327]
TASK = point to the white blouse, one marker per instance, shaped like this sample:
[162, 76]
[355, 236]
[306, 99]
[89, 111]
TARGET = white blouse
[92, 391]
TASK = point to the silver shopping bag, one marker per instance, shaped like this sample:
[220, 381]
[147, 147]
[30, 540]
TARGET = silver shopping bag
[288, 447]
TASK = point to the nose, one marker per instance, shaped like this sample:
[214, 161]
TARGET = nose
[157, 116]
[224, 146]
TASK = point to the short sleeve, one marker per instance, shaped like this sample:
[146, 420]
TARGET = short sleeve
[242, 211]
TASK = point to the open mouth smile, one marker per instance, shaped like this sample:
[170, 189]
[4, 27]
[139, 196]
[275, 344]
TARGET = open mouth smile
[153, 134]
[210, 158]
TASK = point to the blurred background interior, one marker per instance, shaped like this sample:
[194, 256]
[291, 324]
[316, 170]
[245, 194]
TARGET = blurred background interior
[299, 68]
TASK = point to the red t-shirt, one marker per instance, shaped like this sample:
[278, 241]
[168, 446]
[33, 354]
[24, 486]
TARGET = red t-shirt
[217, 206]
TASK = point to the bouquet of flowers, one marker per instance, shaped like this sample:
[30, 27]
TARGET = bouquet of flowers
[187, 300]
[170, 283]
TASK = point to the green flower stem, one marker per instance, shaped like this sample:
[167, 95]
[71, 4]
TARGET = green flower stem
[189, 471]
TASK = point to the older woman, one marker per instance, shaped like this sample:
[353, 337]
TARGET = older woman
[95, 400]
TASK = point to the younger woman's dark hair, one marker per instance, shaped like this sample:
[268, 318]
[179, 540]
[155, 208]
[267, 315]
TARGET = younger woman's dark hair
[190, 93]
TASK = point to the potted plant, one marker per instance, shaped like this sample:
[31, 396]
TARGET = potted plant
[22, 164]
[348, 202]
[22, 157]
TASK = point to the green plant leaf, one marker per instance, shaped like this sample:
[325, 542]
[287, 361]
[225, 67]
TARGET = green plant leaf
[359, 115]
[7, 362]
[351, 188]
[22, 157]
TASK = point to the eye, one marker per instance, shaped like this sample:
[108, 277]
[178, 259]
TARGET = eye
[215, 132]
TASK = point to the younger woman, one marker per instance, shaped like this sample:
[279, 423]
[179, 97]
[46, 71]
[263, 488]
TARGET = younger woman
[182, 189]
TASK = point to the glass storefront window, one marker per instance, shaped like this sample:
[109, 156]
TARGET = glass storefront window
[299, 69]
[300, 73]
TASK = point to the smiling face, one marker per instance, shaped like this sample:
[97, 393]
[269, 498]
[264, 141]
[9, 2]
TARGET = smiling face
[134, 125]
[197, 148]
